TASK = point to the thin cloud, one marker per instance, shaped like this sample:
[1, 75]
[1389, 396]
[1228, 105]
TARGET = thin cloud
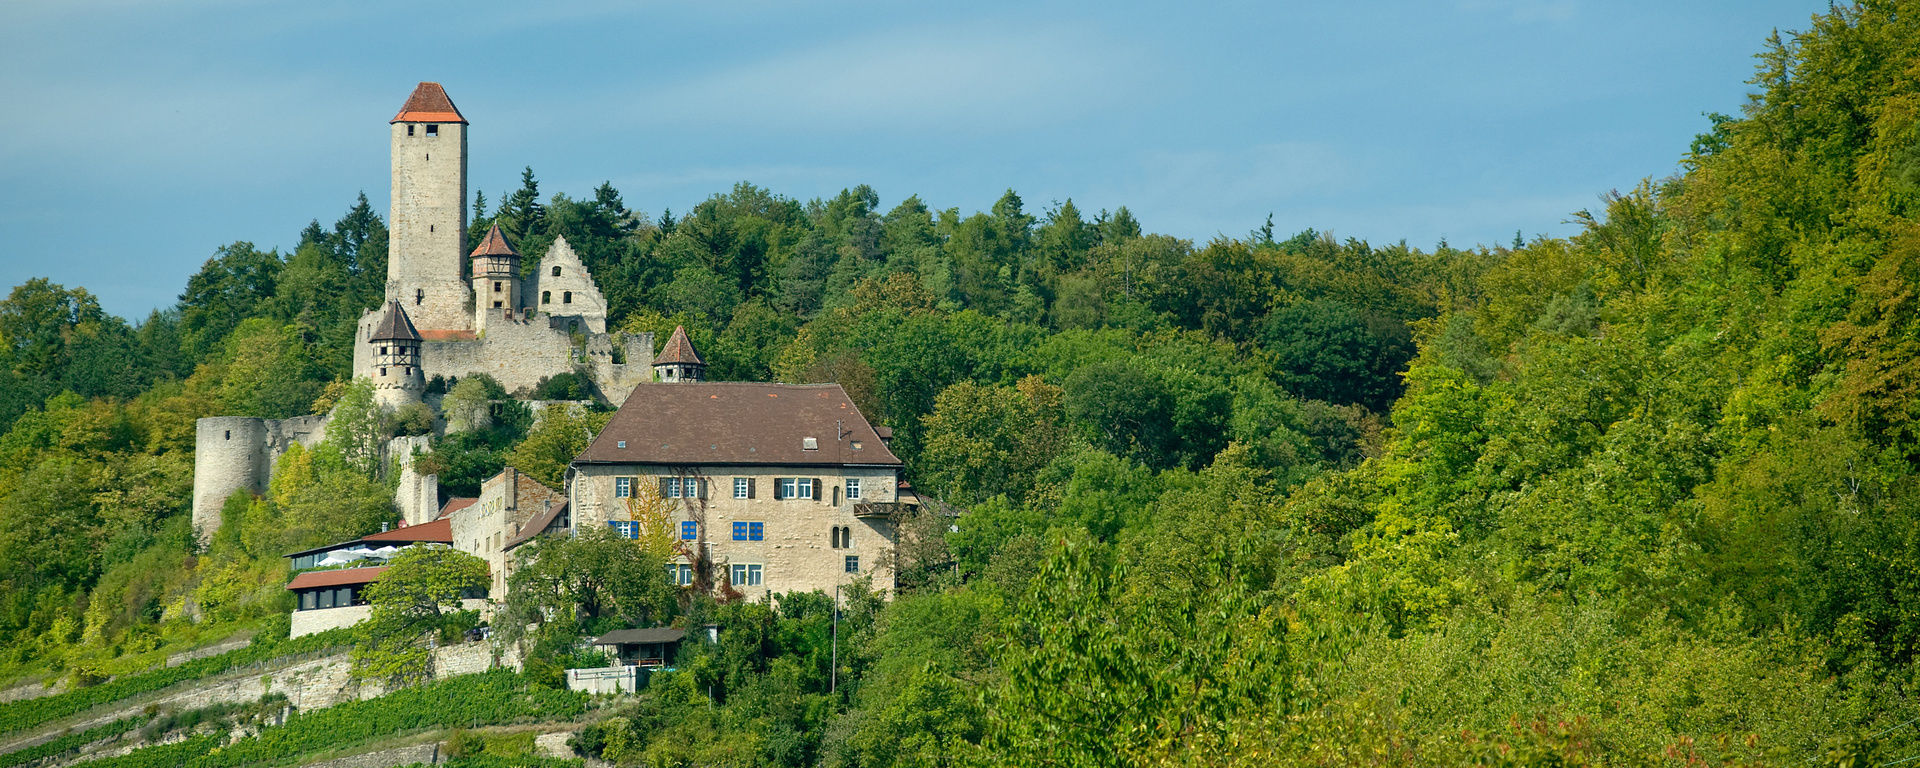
[966, 79]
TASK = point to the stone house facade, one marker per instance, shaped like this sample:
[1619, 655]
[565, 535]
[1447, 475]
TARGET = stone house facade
[771, 487]
[511, 510]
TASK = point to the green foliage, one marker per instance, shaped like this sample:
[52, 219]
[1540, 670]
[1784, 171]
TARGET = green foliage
[412, 419]
[562, 432]
[1098, 678]
[1327, 351]
[594, 575]
[564, 386]
[355, 431]
[987, 441]
[417, 597]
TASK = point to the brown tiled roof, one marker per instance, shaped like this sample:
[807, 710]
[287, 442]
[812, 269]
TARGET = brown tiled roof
[448, 335]
[440, 531]
[641, 636]
[454, 505]
[339, 578]
[737, 423]
[396, 325]
[494, 244]
[679, 350]
[535, 526]
[428, 104]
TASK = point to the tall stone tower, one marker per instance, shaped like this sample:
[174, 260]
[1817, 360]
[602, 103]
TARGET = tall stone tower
[496, 277]
[428, 220]
[397, 378]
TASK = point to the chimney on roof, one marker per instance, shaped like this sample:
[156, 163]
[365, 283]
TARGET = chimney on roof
[383, 527]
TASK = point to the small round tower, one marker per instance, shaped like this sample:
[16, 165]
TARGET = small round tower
[678, 361]
[496, 276]
[397, 378]
[230, 453]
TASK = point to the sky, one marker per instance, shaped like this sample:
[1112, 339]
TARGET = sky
[137, 136]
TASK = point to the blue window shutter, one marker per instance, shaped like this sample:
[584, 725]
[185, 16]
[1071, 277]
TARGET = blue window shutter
[756, 531]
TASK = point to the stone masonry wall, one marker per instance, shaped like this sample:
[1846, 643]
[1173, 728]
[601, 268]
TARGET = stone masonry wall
[428, 753]
[517, 352]
[322, 619]
[416, 496]
[569, 294]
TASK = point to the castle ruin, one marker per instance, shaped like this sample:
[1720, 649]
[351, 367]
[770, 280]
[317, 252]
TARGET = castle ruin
[448, 312]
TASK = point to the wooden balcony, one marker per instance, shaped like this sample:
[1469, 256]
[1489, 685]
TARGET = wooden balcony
[879, 510]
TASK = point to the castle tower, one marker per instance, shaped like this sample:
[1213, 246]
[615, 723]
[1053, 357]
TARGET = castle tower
[428, 218]
[678, 361]
[397, 379]
[496, 277]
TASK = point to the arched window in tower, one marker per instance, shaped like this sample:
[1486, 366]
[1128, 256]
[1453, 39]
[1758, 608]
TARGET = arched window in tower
[556, 271]
[546, 297]
[419, 295]
[566, 297]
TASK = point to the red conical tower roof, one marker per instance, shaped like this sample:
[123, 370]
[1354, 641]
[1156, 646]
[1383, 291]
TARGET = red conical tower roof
[679, 350]
[494, 244]
[428, 104]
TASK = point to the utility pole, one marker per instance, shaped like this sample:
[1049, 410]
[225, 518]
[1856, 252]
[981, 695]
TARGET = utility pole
[833, 671]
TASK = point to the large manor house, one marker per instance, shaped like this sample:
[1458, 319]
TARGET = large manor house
[765, 487]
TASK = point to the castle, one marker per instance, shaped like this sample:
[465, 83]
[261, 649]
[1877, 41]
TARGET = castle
[487, 318]
[449, 312]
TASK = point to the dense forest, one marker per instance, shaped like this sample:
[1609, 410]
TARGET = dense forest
[1629, 497]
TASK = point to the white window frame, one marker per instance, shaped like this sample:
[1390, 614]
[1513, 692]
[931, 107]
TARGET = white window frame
[623, 487]
[853, 488]
[852, 563]
[796, 488]
[673, 488]
[749, 574]
[742, 487]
